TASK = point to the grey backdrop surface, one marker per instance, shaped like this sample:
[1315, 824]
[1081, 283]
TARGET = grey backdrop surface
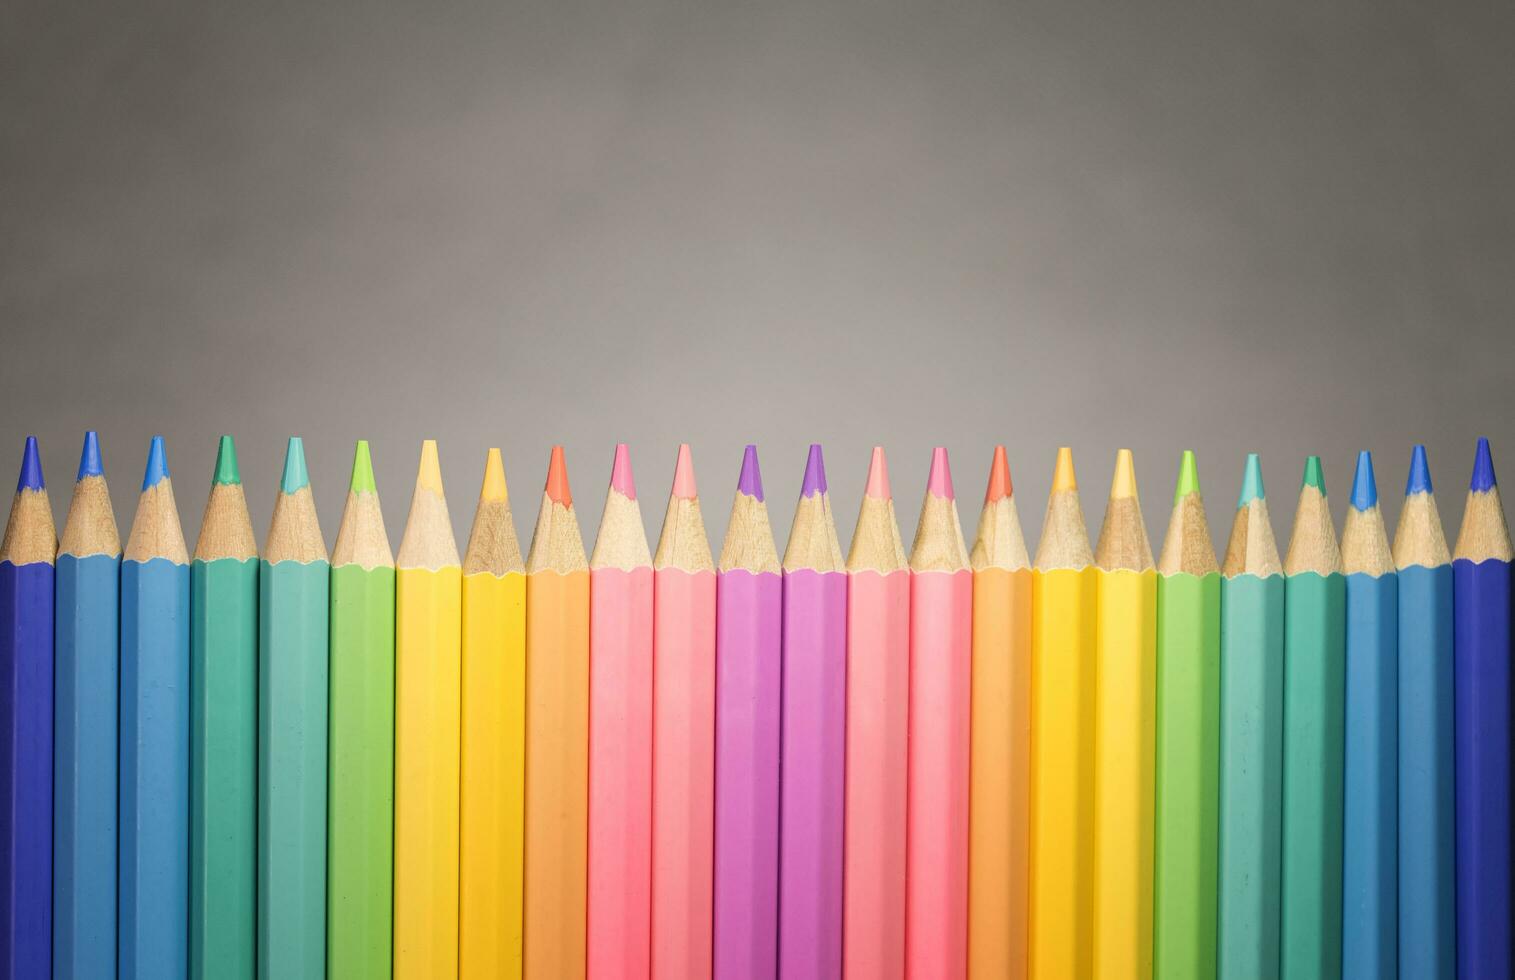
[1286, 228]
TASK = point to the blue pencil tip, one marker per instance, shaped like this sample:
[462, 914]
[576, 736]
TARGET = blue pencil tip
[1483, 469]
[31, 467]
[157, 465]
[1364, 487]
[90, 463]
[1420, 472]
[1251, 482]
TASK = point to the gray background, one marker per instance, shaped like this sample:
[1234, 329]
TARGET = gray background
[1279, 227]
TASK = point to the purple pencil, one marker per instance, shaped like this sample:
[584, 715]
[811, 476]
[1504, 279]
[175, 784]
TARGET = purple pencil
[811, 771]
[748, 655]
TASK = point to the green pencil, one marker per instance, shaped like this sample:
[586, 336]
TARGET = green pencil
[1188, 733]
[223, 717]
[359, 896]
[1315, 630]
[292, 688]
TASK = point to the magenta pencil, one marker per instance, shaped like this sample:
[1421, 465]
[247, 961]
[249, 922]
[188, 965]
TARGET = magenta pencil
[813, 751]
[749, 613]
[941, 660]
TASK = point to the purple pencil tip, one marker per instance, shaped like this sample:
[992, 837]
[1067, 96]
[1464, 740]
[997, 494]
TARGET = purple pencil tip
[815, 473]
[751, 480]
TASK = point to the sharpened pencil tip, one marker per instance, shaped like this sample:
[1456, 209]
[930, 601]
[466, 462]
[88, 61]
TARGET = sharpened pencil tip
[429, 473]
[157, 465]
[362, 470]
[90, 463]
[1483, 469]
[622, 480]
[1419, 480]
[815, 473]
[557, 479]
[227, 473]
[1251, 482]
[295, 473]
[1123, 484]
[1364, 487]
[1000, 485]
[683, 474]
[939, 480]
[31, 467]
[750, 481]
[1315, 475]
[1188, 476]
[1063, 477]
[494, 488]
[878, 476]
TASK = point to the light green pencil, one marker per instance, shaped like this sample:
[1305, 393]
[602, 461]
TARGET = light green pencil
[1187, 773]
[223, 799]
[292, 690]
[359, 893]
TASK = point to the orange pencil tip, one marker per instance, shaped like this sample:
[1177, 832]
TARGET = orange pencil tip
[1000, 486]
[557, 479]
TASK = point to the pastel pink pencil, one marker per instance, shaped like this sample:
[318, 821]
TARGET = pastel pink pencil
[683, 736]
[941, 659]
[620, 737]
[878, 710]
[814, 735]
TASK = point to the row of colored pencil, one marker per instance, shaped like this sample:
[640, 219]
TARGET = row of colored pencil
[648, 763]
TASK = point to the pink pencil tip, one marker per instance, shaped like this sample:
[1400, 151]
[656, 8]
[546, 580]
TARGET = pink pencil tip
[939, 484]
[878, 476]
[621, 479]
[683, 475]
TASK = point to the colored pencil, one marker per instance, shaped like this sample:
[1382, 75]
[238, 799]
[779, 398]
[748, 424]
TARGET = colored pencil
[813, 737]
[294, 597]
[1063, 597]
[748, 653]
[683, 723]
[1125, 678]
[1481, 591]
[1314, 707]
[87, 634]
[153, 873]
[494, 737]
[999, 797]
[557, 735]
[428, 629]
[1370, 806]
[878, 716]
[223, 725]
[1187, 773]
[941, 665]
[360, 807]
[26, 734]
[1427, 861]
[619, 911]
[1251, 739]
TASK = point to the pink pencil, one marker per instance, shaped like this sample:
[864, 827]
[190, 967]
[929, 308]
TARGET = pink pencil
[941, 658]
[620, 737]
[683, 736]
[814, 726]
[749, 613]
[878, 709]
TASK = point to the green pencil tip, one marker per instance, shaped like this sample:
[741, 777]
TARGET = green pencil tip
[1315, 475]
[1188, 477]
[295, 473]
[226, 463]
[1251, 481]
[362, 470]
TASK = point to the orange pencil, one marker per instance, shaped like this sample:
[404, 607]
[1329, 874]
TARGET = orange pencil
[557, 736]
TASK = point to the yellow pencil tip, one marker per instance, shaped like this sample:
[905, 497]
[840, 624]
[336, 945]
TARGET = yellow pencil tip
[1124, 483]
[494, 478]
[429, 475]
[1062, 476]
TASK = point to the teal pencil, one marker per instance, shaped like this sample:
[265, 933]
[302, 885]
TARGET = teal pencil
[292, 715]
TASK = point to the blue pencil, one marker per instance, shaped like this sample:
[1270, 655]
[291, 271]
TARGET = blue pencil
[1427, 909]
[1370, 839]
[153, 943]
[1481, 683]
[84, 730]
[26, 727]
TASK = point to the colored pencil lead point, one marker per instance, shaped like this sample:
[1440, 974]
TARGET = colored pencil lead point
[494, 488]
[227, 472]
[557, 479]
[878, 476]
[1251, 482]
[1188, 476]
[90, 462]
[1364, 487]
[1000, 485]
[621, 478]
[295, 473]
[1123, 484]
[1063, 477]
[1315, 474]
[683, 474]
[157, 465]
[429, 473]
[362, 469]
[815, 473]
[1419, 480]
[1483, 469]
[750, 482]
[939, 481]
[31, 467]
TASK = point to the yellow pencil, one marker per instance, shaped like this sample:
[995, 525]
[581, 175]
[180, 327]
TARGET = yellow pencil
[428, 621]
[492, 799]
[1125, 655]
[1062, 738]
